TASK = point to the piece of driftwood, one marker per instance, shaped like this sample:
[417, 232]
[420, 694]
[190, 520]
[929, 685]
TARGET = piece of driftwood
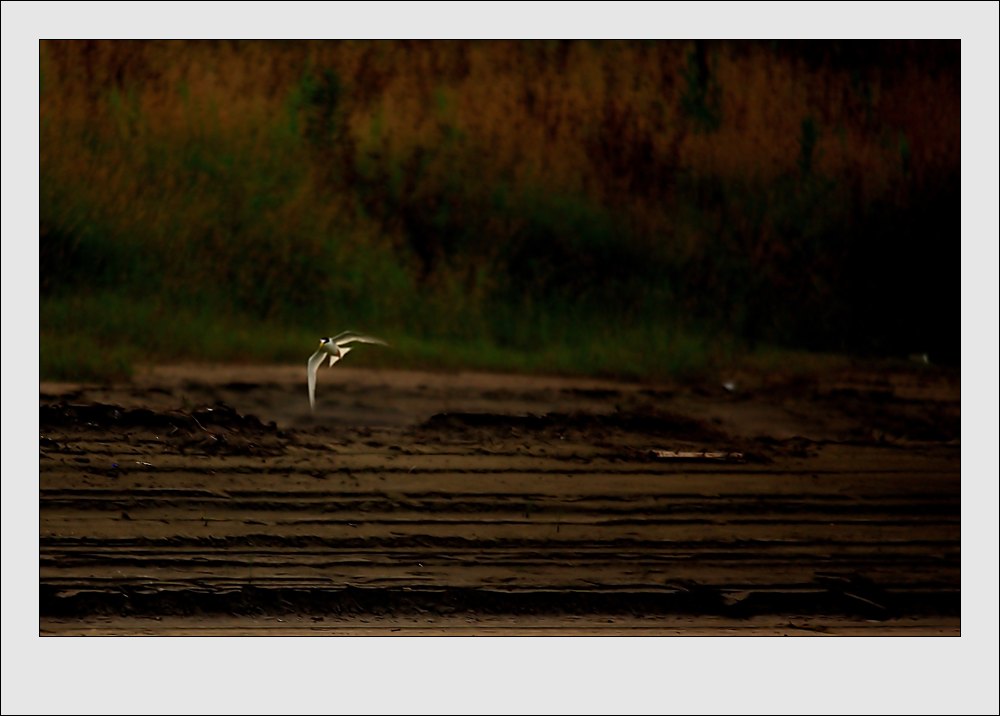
[697, 455]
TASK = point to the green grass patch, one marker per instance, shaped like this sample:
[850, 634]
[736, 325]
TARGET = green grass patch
[105, 336]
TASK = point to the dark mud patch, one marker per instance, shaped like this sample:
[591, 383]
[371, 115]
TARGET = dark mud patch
[641, 422]
[897, 405]
[218, 429]
[800, 447]
[881, 414]
[593, 393]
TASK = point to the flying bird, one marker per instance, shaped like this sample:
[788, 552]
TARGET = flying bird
[336, 348]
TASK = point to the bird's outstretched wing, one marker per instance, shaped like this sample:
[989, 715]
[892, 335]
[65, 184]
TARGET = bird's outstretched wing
[315, 361]
[342, 339]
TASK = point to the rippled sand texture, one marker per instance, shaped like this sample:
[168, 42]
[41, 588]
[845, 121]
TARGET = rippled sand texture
[209, 500]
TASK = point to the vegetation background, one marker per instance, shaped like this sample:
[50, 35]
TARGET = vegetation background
[633, 208]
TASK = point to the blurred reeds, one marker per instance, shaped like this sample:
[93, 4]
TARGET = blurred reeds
[626, 208]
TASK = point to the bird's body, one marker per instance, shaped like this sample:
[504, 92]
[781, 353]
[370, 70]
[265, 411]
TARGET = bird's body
[335, 348]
